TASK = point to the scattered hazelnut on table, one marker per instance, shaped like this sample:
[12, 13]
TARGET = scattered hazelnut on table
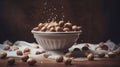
[68, 61]
[111, 55]
[11, 61]
[38, 52]
[59, 59]
[3, 55]
[19, 53]
[90, 57]
[24, 58]
[69, 54]
[26, 50]
[6, 47]
[101, 54]
[31, 61]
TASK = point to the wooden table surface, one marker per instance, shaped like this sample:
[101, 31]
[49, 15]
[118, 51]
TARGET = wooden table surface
[104, 62]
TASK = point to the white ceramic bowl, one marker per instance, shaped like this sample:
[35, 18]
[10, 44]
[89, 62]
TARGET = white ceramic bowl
[56, 40]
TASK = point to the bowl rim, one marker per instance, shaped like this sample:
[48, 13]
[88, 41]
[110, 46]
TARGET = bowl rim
[70, 32]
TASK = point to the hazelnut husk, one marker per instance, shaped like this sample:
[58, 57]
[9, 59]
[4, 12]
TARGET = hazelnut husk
[3, 55]
[38, 52]
[31, 61]
[68, 61]
[101, 54]
[90, 57]
[24, 58]
[7, 47]
[11, 61]
[19, 53]
[69, 54]
[26, 50]
[111, 55]
[59, 59]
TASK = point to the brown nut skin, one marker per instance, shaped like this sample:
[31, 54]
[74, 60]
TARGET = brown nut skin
[66, 29]
[90, 57]
[52, 29]
[19, 53]
[11, 61]
[69, 54]
[31, 61]
[7, 47]
[111, 55]
[68, 62]
[59, 59]
[38, 52]
[3, 55]
[40, 25]
[24, 58]
[26, 50]
[101, 54]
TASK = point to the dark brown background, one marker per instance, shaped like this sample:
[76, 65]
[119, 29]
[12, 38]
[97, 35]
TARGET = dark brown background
[99, 18]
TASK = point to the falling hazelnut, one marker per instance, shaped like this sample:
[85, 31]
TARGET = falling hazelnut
[3, 55]
[90, 57]
[111, 55]
[19, 53]
[24, 58]
[101, 54]
[31, 61]
[59, 59]
[11, 61]
[68, 62]
[38, 52]
[7, 47]
[26, 50]
[69, 54]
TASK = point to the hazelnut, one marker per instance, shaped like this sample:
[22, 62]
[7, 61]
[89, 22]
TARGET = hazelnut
[101, 54]
[24, 58]
[52, 29]
[11, 61]
[7, 47]
[43, 29]
[69, 54]
[68, 24]
[26, 50]
[16, 48]
[111, 55]
[59, 59]
[74, 27]
[46, 55]
[58, 29]
[40, 25]
[31, 61]
[66, 29]
[102, 46]
[61, 23]
[3, 55]
[19, 53]
[38, 52]
[90, 57]
[36, 28]
[68, 62]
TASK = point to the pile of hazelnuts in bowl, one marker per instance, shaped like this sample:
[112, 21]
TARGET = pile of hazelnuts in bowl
[54, 26]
